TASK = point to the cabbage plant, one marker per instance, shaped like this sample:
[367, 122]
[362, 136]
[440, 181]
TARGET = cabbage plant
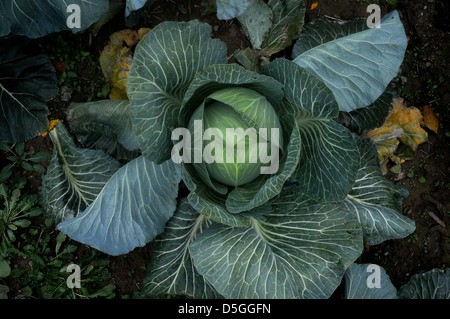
[36, 19]
[234, 230]
[370, 281]
[27, 77]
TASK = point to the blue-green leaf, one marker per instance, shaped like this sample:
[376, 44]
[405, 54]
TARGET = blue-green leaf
[212, 205]
[36, 19]
[323, 30]
[171, 269]
[368, 281]
[329, 158]
[288, 17]
[298, 250]
[27, 81]
[358, 67]
[164, 64]
[114, 113]
[369, 117]
[75, 176]
[376, 201]
[133, 5]
[230, 9]
[131, 210]
[256, 22]
[105, 125]
[433, 284]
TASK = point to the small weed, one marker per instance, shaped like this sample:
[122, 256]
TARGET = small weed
[19, 158]
[412, 239]
[17, 209]
[424, 214]
[423, 163]
[410, 172]
[47, 274]
[37, 257]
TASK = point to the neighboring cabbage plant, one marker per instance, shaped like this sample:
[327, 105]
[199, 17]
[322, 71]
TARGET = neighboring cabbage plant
[370, 281]
[27, 77]
[36, 19]
[234, 230]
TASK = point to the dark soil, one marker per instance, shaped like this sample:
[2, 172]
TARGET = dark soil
[424, 81]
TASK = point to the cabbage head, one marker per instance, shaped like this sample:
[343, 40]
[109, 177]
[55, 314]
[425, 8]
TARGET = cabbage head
[239, 149]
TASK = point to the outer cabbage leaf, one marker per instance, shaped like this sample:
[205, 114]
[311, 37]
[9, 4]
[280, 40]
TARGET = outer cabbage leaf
[133, 5]
[288, 17]
[230, 9]
[88, 121]
[358, 279]
[131, 210]
[212, 204]
[102, 137]
[75, 176]
[164, 64]
[256, 22]
[299, 250]
[433, 284]
[376, 201]
[369, 117]
[27, 81]
[272, 26]
[323, 30]
[329, 157]
[36, 19]
[358, 67]
[171, 269]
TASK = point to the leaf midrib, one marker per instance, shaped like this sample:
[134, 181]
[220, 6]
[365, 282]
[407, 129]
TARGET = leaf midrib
[66, 167]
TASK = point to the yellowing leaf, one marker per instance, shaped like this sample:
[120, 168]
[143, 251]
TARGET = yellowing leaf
[50, 127]
[107, 60]
[314, 5]
[403, 124]
[116, 59]
[430, 119]
[142, 32]
[130, 37]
